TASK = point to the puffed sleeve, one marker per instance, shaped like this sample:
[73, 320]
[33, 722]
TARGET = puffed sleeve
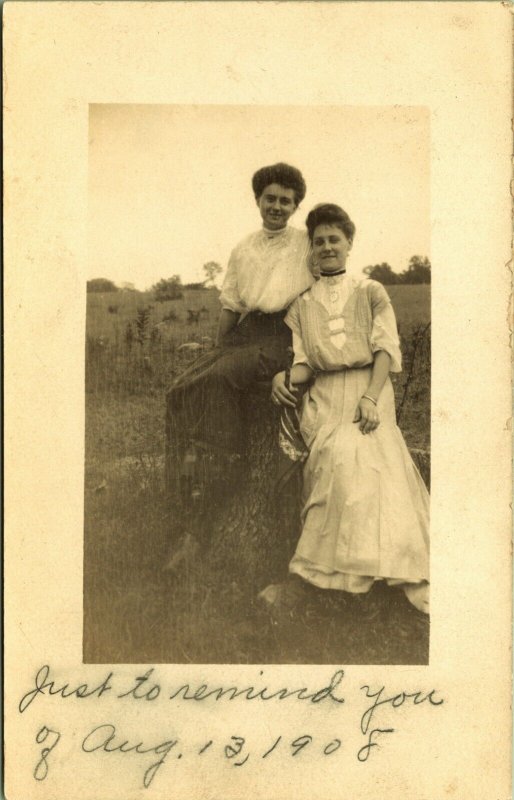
[384, 333]
[229, 297]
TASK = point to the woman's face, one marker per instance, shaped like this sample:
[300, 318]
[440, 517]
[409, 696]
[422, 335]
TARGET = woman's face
[330, 248]
[276, 205]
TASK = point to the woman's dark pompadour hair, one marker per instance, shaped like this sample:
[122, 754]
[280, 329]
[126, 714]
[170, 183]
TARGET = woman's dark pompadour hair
[330, 214]
[283, 174]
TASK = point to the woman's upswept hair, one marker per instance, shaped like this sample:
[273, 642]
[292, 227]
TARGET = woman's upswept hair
[283, 174]
[329, 214]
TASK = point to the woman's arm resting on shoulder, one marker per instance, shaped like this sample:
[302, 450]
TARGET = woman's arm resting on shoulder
[366, 413]
[228, 320]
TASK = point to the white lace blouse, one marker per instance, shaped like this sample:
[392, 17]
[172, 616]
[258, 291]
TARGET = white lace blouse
[267, 271]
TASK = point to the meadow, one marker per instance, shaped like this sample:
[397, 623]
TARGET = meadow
[134, 611]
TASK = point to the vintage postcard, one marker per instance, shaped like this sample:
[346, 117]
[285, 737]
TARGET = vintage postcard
[258, 400]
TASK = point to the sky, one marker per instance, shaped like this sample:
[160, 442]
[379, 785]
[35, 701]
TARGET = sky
[170, 185]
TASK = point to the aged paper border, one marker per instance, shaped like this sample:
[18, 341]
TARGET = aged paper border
[453, 58]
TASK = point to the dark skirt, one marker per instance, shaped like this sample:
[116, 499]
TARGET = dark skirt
[206, 403]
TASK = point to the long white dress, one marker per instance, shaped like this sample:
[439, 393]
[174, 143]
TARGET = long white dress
[365, 511]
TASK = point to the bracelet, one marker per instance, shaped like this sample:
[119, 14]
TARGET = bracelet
[367, 397]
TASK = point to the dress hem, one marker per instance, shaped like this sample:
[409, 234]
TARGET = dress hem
[417, 592]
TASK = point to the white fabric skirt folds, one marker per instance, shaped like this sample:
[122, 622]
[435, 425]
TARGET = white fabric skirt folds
[365, 506]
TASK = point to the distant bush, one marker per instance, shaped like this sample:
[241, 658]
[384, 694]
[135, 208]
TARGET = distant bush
[193, 316]
[101, 285]
[418, 271]
[168, 289]
[383, 273]
[195, 286]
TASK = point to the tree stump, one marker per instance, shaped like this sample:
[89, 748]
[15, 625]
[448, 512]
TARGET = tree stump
[257, 530]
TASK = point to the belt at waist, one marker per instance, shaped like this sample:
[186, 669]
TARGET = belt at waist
[257, 323]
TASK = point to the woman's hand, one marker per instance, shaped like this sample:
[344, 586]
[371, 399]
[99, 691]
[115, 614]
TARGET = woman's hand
[280, 394]
[366, 415]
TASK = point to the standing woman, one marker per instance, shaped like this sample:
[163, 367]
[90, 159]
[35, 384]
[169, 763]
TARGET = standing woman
[267, 270]
[365, 512]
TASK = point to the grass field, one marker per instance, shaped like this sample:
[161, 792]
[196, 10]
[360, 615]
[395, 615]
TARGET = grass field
[134, 611]
[411, 305]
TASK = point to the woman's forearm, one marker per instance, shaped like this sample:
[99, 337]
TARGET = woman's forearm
[379, 373]
[228, 320]
[301, 373]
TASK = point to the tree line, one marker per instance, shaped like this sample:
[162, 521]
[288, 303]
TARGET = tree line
[418, 271]
[166, 288]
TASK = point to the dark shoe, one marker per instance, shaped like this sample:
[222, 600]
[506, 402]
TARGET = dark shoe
[284, 597]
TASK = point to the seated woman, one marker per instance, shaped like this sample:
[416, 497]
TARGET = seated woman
[267, 270]
[365, 506]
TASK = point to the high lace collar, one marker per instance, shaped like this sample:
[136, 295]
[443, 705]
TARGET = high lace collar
[274, 234]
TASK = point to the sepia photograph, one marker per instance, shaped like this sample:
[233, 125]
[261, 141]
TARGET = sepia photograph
[258, 363]
[258, 400]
